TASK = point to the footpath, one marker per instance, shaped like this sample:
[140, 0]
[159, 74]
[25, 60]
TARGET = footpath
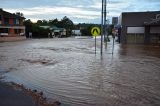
[12, 94]
[9, 96]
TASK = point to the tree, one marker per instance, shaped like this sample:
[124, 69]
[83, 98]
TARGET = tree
[53, 22]
[87, 31]
[44, 22]
[39, 22]
[67, 24]
[19, 14]
[37, 31]
[86, 28]
[28, 24]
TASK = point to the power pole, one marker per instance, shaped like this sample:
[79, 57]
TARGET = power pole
[105, 15]
[102, 23]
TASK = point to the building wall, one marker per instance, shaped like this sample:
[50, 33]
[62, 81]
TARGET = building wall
[120, 20]
[11, 25]
[154, 30]
[114, 20]
[11, 22]
[0, 18]
[133, 26]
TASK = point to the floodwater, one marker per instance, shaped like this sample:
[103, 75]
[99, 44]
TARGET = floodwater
[68, 70]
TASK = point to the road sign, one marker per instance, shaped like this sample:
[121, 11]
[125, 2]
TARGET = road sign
[95, 31]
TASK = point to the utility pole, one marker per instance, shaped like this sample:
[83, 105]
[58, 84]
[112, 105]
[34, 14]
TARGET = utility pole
[105, 15]
[102, 23]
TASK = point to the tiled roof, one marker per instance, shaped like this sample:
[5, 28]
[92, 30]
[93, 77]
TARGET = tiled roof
[10, 15]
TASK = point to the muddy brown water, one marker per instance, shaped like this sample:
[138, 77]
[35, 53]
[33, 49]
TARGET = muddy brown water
[68, 70]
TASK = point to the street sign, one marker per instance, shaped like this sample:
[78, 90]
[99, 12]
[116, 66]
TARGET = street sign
[95, 31]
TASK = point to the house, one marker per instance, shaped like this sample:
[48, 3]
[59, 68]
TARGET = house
[76, 32]
[11, 24]
[59, 32]
[140, 27]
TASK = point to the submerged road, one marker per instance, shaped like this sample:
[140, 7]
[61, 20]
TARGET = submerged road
[67, 70]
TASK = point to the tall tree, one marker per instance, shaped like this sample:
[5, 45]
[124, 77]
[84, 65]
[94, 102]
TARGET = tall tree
[19, 14]
[44, 22]
[53, 22]
[39, 22]
[28, 24]
[67, 24]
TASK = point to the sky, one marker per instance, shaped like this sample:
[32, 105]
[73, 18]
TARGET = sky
[79, 11]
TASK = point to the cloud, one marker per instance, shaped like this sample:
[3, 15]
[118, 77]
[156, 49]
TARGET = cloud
[78, 10]
[54, 11]
[47, 12]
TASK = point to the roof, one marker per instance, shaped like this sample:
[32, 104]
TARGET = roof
[53, 28]
[141, 12]
[10, 15]
[56, 28]
[45, 27]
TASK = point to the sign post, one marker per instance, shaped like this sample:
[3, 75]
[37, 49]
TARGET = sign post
[113, 44]
[95, 31]
[95, 44]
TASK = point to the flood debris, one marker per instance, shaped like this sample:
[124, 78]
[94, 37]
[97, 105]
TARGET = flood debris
[39, 61]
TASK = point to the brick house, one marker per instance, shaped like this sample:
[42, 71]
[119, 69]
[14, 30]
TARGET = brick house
[11, 25]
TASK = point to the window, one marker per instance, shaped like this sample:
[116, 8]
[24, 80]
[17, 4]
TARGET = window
[1, 30]
[135, 30]
[14, 21]
[0, 17]
[6, 20]
[17, 21]
[5, 30]
[16, 31]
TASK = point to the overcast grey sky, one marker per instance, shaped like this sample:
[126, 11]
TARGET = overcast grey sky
[79, 11]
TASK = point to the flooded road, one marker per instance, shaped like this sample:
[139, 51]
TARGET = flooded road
[68, 70]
